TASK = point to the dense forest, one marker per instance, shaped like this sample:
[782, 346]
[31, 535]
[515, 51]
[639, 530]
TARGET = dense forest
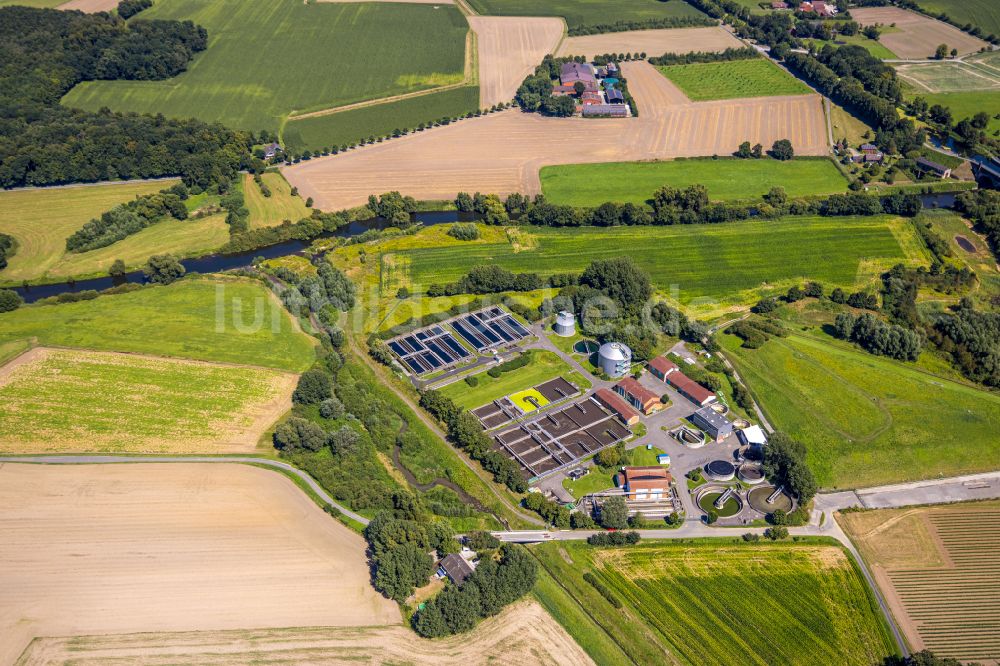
[45, 52]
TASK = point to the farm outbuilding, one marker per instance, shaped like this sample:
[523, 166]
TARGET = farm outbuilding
[565, 325]
[614, 358]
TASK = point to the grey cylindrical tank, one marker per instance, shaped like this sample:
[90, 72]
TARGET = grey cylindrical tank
[565, 324]
[614, 358]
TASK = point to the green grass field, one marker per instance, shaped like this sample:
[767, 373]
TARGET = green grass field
[273, 210]
[268, 58]
[872, 46]
[715, 263]
[346, 127]
[544, 365]
[968, 104]
[65, 400]
[984, 13]
[720, 602]
[865, 419]
[726, 179]
[231, 321]
[757, 77]
[586, 12]
[41, 220]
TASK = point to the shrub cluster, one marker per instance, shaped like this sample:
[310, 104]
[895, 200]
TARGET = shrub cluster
[785, 464]
[129, 8]
[129, 218]
[553, 513]
[878, 337]
[511, 365]
[464, 232]
[465, 431]
[8, 246]
[755, 331]
[488, 279]
[614, 539]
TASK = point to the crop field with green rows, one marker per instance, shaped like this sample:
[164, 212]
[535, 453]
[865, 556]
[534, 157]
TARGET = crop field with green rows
[730, 80]
[725, 262]
[268, 58]
[727, 603]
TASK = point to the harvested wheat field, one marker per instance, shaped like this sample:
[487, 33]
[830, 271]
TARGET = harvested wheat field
[63, 401]
[90, 6]
[502, 152]
[917, 35]
[509, 50]
[523, 634]
[939, 570]
[651, 42]
[128, 548]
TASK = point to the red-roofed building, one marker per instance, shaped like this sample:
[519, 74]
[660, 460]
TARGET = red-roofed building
[617, 404]
[690, 389]
[661, 366]
[646, 483]
[638, 396]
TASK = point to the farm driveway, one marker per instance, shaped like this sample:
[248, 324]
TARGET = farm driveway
[134, 548]
[651, 42]
[502, 152]
[509, 50]
[918, 36]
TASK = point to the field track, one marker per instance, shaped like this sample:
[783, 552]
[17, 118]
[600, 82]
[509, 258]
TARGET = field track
[411, 2]
[90, 6]
[178, 547]
[652, 42]
[522, 634]
[509, 50]
[502, 153]
[918, 35]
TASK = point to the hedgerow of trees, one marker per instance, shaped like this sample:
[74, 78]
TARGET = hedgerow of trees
[129, 218]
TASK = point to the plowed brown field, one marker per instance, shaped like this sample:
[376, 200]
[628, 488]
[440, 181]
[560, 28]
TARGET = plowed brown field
[522, 635]
[918, 35]
[502, 153]
[509, 50]
[651, 42]
[122, 549]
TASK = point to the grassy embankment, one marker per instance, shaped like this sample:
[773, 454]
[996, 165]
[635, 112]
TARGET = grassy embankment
[585, 12]
[223, 320]
[868, 420]
[377, 50]
[718, 602]
[713, 267]
[757, 77]
[725, 179]
[544, 365]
